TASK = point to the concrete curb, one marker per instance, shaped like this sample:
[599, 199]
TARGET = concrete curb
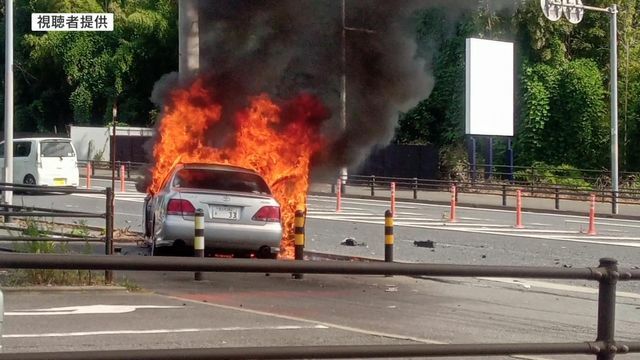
[62, 288]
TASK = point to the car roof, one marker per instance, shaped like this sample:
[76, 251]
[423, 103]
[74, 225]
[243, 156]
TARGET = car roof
[222, 167]
[42, 138]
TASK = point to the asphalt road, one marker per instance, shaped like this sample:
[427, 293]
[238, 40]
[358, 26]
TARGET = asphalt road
[256, 310]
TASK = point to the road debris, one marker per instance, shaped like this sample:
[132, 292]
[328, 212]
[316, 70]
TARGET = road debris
[426, 244]
[352, 242]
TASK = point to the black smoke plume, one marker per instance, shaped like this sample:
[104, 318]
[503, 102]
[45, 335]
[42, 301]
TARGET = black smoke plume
[284, 47]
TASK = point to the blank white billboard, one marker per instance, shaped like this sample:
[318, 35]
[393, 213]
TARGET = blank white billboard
[489, 88]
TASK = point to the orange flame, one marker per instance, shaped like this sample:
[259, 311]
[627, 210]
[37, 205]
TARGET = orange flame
[275, 141]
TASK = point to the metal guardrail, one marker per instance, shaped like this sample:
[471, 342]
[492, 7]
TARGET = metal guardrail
[605, 347]
[13, 211]
[556, 192]
[129, 166]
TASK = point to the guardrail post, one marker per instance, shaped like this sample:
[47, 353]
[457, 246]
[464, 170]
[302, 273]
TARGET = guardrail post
[415, 188]
[607, 308]
[504, 195]
[93, 168]
[198, 239]
[299, 239]
[388, 236]
[557, 195]
[614, 202]
[108, 242]
[128, 167]
[373, 185]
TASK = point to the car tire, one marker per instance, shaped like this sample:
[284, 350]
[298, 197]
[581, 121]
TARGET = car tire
[29, 180]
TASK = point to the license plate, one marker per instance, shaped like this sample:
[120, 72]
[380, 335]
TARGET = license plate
[59, 181]
[225, 212]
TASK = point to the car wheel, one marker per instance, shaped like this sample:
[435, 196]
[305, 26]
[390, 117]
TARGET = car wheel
[265, 253]
[29, 180]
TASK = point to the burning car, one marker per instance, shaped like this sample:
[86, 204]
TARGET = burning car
[241, 215]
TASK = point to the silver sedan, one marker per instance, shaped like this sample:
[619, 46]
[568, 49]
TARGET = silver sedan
[241, 215]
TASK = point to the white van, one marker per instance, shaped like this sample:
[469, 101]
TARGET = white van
[43, 161]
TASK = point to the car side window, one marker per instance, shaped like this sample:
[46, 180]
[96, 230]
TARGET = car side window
[21, 149]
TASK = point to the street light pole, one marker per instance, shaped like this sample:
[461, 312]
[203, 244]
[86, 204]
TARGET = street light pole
[343, 93]
[8, 100]
[613, 11]
[574, 11]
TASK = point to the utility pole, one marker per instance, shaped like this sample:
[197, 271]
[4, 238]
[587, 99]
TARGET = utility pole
[188, 39]
[8, 100]
[343, 94]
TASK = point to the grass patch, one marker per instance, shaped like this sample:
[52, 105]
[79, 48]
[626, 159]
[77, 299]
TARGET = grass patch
[49, 277]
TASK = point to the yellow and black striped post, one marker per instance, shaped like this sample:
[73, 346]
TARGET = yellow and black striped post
[299, 239]
[198, 239]
[388, 236]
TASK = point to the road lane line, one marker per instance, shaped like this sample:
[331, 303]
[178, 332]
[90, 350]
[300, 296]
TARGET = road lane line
[516, 232]
[330, 325]
[508, 211]
[527, 283]
[602, 223]
[161, 331]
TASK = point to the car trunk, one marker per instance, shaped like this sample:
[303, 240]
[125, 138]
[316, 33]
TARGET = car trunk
[227, 207]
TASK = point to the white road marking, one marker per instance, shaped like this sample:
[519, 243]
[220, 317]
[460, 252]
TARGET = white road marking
[162, 331]
[345, 200]
[602, 223]
[526, 283]
[515, 232]
[87, 309]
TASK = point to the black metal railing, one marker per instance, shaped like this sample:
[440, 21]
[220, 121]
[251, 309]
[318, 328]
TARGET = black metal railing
[376, 184]
[24, 211]
[131, 168]
[604, 347]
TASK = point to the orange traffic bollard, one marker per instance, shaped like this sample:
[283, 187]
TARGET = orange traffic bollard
[122, 185]
[89, 171]
[519, 209]
[452, 214]
[592, 216]
[339, 195]
[393, 199]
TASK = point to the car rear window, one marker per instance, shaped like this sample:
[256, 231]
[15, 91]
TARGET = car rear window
[220, 180]
[56, 149]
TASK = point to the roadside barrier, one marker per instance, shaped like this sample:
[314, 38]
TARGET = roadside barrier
[592, 216]
[554, 193]
[604, 347]
[393, 198]
[18, 211]
[198, 240]
[454, 198]
[299, 239]
[519, 210]
[339, 195]
[388, 236]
